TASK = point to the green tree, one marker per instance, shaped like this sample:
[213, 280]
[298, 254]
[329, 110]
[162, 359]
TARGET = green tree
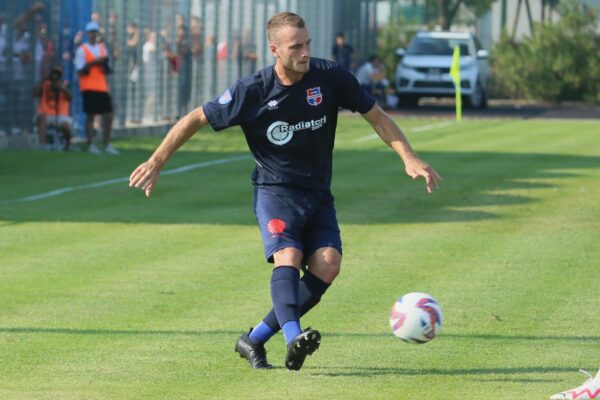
[448, 9]
[393, 35]
[560, 63]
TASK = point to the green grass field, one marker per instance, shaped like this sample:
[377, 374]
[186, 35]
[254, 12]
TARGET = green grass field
[105, 294]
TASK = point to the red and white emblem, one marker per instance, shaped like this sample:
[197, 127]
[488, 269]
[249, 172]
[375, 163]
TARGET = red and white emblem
[314, 96]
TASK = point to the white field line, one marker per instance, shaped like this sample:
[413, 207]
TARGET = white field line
[100, 184]
[416, 129]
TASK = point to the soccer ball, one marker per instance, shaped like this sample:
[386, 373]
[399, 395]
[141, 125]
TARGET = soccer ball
[416, 317]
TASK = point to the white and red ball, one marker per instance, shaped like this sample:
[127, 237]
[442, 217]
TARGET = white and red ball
[416, 317]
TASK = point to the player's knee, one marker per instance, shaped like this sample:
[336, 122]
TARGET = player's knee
[288, 256]
[333, 271]
[325, 263]
[326, 270]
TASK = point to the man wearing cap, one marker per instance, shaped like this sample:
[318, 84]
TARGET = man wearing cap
[91, 62]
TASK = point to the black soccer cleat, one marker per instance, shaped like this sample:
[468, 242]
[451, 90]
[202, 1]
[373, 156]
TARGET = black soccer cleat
[301, 346]
[254, 353]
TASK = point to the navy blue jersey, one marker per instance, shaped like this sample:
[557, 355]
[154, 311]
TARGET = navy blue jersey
[290, 130]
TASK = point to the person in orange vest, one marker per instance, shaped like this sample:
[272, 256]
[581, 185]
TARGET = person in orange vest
[54, 107]
[91, 63]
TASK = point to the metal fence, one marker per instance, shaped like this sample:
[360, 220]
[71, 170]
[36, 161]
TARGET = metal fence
[168, 56]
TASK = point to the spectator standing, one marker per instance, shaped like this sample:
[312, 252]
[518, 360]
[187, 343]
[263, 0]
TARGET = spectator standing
[20, 105]
[112, 41]
[3, 36]
[150, 75]
[3, 78]
[92, 65]
[196, 37]
[44, 52]
[168, 74]
[245, 52]
[184, 73]
[342, 52]
[133, 68]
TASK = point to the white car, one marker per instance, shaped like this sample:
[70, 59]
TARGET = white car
[424, 69]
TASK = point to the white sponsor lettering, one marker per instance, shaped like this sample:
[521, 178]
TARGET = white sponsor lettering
[281, 132]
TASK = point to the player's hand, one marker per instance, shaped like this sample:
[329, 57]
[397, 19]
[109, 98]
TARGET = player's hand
[416, 168]
[144, 177]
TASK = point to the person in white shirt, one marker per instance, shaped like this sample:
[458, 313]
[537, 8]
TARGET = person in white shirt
[371, 77]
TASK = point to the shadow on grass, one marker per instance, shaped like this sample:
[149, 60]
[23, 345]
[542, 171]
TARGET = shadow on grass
[350, 371]
[370, 187]
[382, 335]
[428, 372]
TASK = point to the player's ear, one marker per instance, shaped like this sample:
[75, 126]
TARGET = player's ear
[274, 50]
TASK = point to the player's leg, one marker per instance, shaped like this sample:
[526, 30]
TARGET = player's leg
[281, 221]
[323, 267]
[281, 226]
[325, 264]
[323, 243]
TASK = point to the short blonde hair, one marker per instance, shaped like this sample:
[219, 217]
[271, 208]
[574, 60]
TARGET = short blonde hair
[282, 19]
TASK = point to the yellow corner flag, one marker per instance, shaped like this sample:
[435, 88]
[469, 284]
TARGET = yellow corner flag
[455, 75]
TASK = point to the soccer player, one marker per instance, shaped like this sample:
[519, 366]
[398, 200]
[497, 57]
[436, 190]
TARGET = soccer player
[288, 112]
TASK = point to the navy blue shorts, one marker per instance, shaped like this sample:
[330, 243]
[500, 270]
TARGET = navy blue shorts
[296, 218]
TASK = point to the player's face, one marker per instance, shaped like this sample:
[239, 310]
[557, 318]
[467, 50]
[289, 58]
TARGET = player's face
[292, 49]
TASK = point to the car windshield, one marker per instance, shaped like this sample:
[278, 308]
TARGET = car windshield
[437, 47]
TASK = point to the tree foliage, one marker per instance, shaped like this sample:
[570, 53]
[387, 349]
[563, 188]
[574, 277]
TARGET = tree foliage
[393, 35]
[561, 62]
[448, 9]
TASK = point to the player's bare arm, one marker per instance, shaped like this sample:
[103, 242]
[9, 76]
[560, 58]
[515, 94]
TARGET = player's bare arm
[146, 174]
[391, 134]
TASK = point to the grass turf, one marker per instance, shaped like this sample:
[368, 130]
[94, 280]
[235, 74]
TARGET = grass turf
[107, 295]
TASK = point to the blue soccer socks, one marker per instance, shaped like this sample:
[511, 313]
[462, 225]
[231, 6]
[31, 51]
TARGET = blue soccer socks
[310, 291]
[285, 298]
[261, 333]
[291, 329]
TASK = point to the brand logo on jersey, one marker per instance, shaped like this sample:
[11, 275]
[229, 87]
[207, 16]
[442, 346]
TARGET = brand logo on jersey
[314, 96]
[281, 132]
[225, 97]
[273, 105]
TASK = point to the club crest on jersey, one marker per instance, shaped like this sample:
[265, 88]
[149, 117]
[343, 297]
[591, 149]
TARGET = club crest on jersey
[225, 98]
[314, 96]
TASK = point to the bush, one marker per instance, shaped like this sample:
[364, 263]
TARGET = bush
[392, 35]
[560, 62]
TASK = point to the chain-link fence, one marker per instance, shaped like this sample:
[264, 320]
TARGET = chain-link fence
[167, 56]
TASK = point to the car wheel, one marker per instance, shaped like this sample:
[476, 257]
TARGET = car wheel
[478, 99]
